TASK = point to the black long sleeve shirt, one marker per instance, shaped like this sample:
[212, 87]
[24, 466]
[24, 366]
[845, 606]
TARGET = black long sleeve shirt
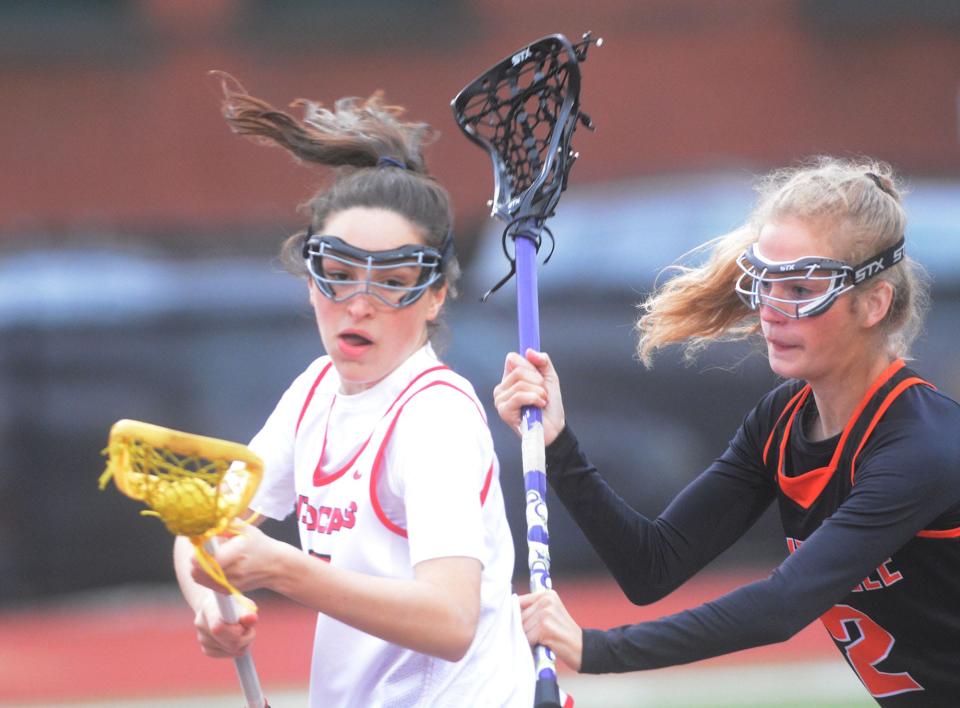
[876, 549]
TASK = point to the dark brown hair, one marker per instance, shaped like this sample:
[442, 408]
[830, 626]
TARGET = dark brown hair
[377, 160]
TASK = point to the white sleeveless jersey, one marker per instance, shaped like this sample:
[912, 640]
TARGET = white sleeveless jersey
[380, 481]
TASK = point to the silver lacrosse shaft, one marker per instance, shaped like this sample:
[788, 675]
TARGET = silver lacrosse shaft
[246, 670]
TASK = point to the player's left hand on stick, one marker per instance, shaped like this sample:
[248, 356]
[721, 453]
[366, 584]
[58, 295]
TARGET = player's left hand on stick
[247, 557]
[530, 380]
[547, 622]
[219, 638]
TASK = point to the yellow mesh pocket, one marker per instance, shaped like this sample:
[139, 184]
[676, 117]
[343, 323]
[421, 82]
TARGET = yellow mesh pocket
[194, 484]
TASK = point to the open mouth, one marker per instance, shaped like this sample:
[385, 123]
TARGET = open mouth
[355, 340]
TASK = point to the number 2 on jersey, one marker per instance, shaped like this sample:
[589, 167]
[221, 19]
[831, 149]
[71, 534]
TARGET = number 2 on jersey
[865, 651]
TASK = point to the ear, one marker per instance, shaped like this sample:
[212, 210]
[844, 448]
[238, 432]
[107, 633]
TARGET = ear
[875, 303]
[437, 298]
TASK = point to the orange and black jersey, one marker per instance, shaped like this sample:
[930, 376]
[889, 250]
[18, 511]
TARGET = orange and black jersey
[872, 520]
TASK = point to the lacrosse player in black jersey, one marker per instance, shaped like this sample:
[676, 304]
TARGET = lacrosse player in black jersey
[861, 455]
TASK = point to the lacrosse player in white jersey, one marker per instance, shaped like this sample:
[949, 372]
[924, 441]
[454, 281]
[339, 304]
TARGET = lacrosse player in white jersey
[381, 451]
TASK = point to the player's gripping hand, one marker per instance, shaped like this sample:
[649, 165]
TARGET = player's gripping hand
[547, 622]
[219, 638]
[248, 558]
[530, 381]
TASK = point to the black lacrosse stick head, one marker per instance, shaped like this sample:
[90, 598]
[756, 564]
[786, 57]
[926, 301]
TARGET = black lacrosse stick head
[523, 111]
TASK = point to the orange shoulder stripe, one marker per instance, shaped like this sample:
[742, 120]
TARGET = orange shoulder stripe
[939, 533]
[887, 402]
[801, 394]
[805, 488]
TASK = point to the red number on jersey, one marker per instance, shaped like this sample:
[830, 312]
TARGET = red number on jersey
[866, 651]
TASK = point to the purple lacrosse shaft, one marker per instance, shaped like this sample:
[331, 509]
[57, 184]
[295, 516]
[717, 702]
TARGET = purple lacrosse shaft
[546, 692]
[528, 318]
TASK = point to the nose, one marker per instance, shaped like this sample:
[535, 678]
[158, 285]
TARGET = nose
[361, 305]
[770, 314]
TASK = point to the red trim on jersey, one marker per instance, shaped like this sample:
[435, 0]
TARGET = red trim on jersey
[310, 396]
[805, 488]
[378, 460]
[320, 477]
[891, 397]
[939, 533]
[323, 446]
[486, 484]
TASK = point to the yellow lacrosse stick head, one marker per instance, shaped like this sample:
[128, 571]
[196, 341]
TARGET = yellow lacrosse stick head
[194, 484]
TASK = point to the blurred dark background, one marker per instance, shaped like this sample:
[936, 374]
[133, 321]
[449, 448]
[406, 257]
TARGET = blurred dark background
[137, 234]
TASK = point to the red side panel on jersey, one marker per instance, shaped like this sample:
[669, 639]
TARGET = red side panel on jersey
[378, 460]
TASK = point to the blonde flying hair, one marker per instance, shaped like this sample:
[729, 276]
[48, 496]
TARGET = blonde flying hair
[855, 206]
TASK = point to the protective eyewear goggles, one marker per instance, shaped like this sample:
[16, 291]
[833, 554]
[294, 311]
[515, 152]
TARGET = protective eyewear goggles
[808, 286]
[396, 277]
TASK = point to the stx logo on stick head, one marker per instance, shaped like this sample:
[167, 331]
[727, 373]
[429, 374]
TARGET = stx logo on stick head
[521, 56]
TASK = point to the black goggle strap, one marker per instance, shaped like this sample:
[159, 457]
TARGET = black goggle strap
[447, 247]
[879, 263]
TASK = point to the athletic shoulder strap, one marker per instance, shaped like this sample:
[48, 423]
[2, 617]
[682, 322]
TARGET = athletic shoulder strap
[805, 487]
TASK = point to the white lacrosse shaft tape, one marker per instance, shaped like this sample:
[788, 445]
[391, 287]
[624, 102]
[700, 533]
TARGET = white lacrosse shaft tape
[538, 537]
[246, 670]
